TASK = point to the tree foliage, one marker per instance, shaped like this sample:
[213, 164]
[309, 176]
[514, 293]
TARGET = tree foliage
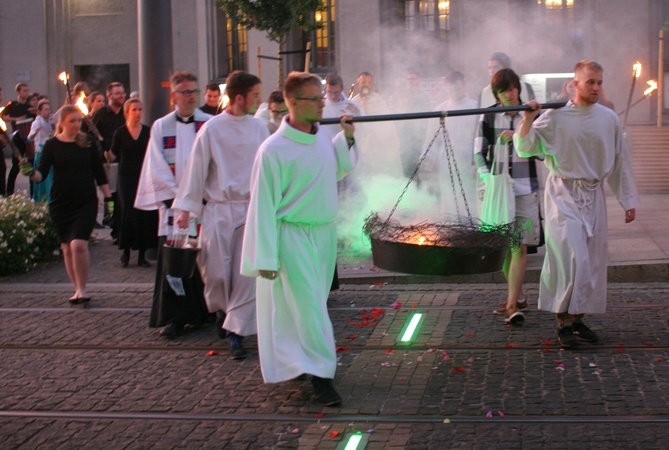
[277, 17]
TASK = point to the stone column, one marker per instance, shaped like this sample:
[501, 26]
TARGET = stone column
[154, 21]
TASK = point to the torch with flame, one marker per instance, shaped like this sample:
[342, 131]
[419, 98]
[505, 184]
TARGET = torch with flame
[652, 87]
[81, 105]
[65, 78]
[636, 73]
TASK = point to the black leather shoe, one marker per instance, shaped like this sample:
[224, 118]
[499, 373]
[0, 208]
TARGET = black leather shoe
[125, 258]
[325, 391]
[169, 331]
[143, 263]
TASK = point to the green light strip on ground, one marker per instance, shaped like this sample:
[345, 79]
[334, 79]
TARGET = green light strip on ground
[412, 327]
[353, 441]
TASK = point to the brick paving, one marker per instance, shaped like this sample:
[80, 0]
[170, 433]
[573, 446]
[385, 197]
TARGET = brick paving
[98, 377]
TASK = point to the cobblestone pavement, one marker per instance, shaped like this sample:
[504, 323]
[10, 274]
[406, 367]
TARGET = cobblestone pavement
[97, 377]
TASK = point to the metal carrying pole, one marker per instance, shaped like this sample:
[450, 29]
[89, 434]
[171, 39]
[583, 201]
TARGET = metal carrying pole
[440, 114]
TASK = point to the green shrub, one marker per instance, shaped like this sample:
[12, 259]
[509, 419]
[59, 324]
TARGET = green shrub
[27, 236]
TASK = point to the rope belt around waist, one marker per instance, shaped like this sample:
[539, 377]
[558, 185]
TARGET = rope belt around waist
[581, 193]
[224, 202]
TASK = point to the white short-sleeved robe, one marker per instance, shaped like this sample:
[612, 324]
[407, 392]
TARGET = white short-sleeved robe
[290, 229]
[219, 171]
[583, 146]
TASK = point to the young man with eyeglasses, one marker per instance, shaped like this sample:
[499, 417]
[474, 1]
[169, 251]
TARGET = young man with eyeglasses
[272, 112]
[176, 302]
[290, 241]
[219, 172]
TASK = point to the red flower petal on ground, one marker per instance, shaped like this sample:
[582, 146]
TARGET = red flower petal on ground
[659, 360]
[396, 305]
[319, 415]
[546, 350]
[343, 348]
[212, 353]
[458, 369]
[511, 345]
[548, 343]
[649, 344]
[469, 335]
[353, 336]
[389, 351]
[334, 434]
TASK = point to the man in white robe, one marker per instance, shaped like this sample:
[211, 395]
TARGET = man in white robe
[176, 302]
[290, 239]
[336, 103]
[461, 133]
[378, 141]
[219, 172]
[583, 146]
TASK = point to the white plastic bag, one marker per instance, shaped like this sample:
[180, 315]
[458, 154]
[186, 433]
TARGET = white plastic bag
[499, 201]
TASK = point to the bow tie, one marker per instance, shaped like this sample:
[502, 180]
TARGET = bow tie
[190, 119]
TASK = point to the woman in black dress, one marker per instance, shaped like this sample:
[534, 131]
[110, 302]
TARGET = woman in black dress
[76, 168]
[138, 229]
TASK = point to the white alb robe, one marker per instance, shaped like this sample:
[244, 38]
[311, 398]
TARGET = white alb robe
[378, 141]
[336, 109]
[290, 229]
[219, 171]
[583, 146]
[165, 159]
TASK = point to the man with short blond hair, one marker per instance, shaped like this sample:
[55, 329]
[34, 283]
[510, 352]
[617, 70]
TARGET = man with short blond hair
[583, 145]
[290, 241]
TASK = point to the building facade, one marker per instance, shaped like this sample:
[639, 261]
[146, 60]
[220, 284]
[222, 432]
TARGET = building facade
[97, 41]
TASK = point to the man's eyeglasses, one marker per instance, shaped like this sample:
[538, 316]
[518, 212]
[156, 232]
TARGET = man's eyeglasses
[279, 112]
[310, 99]
[188, 92]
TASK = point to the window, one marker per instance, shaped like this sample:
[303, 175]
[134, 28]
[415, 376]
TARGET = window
[557, 4]
[323, 39]
[237, 46]
[427, 15]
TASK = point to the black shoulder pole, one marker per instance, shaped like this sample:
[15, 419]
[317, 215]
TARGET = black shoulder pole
[440, 114]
